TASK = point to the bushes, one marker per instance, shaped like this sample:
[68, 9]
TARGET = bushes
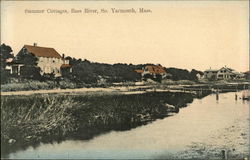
[183, 74]
[90, 72]
[28, 85]
[5, 76]
[63, 84]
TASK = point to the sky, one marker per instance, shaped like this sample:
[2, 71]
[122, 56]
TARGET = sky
[182, 34]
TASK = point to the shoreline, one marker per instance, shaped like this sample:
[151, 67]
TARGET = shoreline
[130, 89]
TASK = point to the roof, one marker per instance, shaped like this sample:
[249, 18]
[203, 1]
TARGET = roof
[235, 72]
[43, 51]
[139, 71]
[65, 65]
[229, 69]
[211, 70]
[155, 69]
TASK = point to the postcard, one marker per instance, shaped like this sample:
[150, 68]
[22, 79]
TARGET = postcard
[125, 79]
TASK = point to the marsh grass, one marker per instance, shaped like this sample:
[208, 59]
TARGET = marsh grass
[49, 117]
[23, 86]
[38, 85]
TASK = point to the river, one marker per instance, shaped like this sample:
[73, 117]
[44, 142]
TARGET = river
[201, 130]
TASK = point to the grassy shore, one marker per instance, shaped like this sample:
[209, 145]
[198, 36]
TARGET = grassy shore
[66, 84]
[29, 120]
[37, 85]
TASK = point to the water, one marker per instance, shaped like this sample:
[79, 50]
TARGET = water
[201, 130]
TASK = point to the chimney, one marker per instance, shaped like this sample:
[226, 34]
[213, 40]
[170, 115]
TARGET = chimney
[35, 44]
[63, 56]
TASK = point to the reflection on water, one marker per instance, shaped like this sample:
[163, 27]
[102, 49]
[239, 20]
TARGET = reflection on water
[200, 130]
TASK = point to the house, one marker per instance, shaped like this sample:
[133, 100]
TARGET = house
[152, 71]
[247, 75]
[199, 76]
[224, 73]
[49, 60]
[210, 74]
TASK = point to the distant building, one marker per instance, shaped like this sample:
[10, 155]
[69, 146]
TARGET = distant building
[199, 76]
[152, 71]
[228, 73]
[49, 60]
[210, 74]
[224, 73]
[247, 75]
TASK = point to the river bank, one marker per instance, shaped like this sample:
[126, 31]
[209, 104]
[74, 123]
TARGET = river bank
[202, 130]
[192, 88]
[67, 86]
[29, 120]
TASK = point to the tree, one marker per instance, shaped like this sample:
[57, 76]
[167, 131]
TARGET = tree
[6, 53]
[31, 72]
[193, 74]
[83, 72]
[178, 74]
[158, 78]
[30, 68]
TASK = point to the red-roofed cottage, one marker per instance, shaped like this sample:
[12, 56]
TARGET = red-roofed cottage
[152, 70]
[49, 60]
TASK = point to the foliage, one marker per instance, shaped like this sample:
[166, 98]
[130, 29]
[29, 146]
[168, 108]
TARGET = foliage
[90, 72]
[193, 74]
[183, 74]
[31, 72]
[28, 85]
[6, 53]
[30, 68]
[26, 58]
[5, 75]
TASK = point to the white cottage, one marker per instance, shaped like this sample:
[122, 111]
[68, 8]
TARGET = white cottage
[224, 73]
[49, 60]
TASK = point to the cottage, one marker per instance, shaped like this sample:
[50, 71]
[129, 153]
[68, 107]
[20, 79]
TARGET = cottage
[49, 60]
[152, 71]
[228, 73]
[210, 74]
[224, 73]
